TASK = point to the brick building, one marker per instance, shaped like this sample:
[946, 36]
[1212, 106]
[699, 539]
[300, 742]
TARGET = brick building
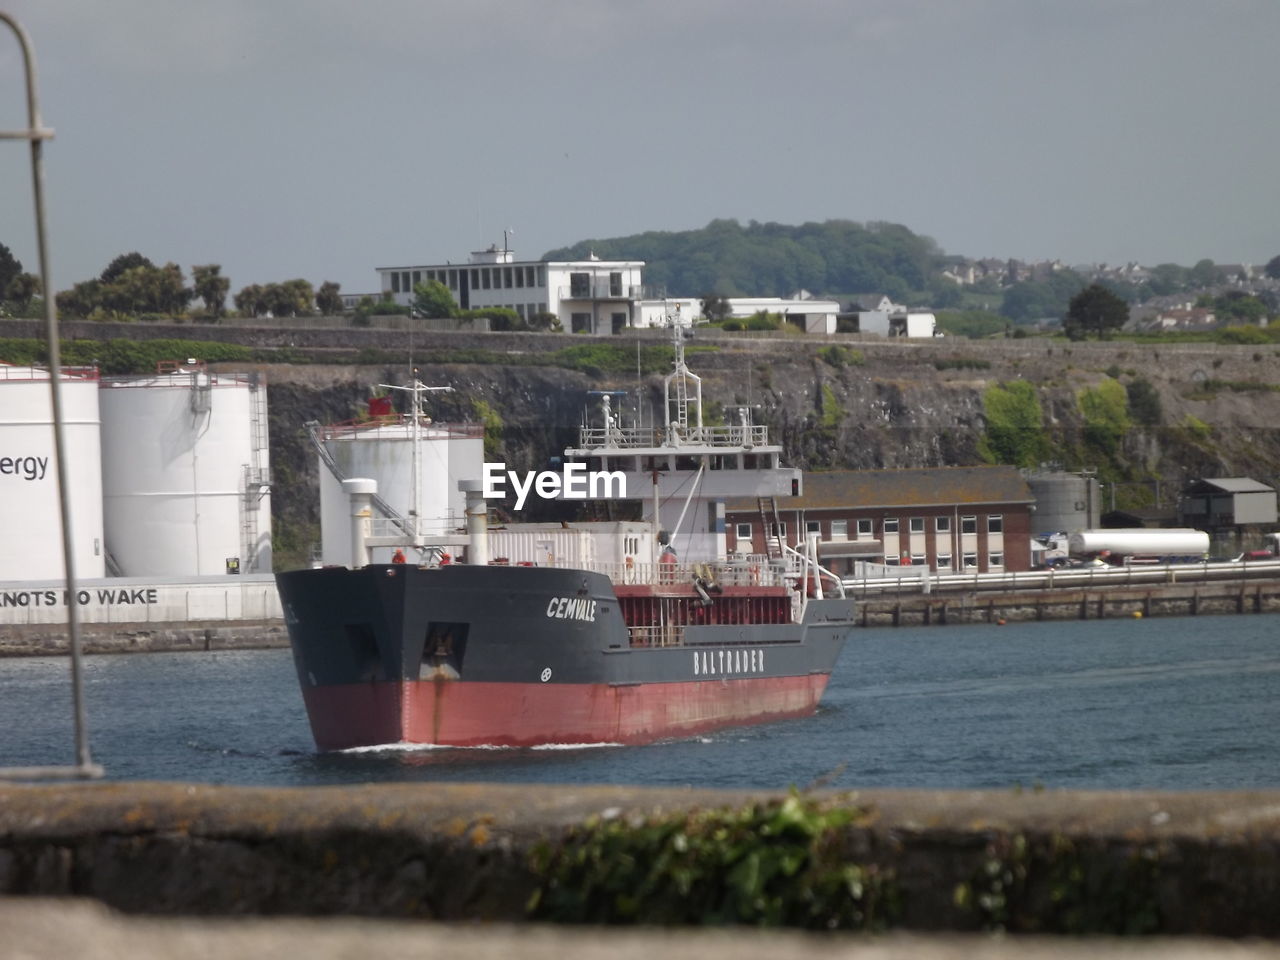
[950, 518]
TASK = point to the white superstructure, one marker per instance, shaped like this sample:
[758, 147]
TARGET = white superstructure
[30, 524]
[683, 470]
[185, 473]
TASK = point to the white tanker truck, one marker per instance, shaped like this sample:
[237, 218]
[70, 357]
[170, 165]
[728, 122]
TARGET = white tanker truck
[1119, 544]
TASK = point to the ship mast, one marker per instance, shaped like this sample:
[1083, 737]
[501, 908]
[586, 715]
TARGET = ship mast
[416, 389]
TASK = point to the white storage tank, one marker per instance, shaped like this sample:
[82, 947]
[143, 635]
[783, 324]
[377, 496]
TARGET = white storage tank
[185, 473]
[382, 449]
[30, 515]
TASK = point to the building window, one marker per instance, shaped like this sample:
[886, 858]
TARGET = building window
[506, 277]
[995, 560]
[615, 284]
[968, 524]
[917, 560]
[944, 561]
[580, 323]
[579, 285]
[743, 531]
[970, 561]
[995, 523]
[839, 529]
[890, 525]
[520, 310]
[395, 283]
[942, 524]
[917, 524]
[453, 279]
[417, 277]
[520, 277]
[813, 526]
[475, 279]
[542, 277]
[864, 529]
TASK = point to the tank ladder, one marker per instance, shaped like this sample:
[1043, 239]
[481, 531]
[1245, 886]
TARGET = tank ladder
[256, 478]
[402, 523]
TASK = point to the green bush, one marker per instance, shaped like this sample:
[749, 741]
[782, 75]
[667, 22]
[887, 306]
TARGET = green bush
[841, 356]
[771, 864]
[1015, 425]
[1106, 415]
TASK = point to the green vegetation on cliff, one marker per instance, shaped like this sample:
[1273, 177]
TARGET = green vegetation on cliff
[120, 357]
[1015, 425]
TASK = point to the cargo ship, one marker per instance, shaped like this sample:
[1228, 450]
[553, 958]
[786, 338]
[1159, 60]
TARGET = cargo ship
[590, 633]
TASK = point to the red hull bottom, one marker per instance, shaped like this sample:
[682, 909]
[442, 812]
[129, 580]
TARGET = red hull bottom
[449, 713]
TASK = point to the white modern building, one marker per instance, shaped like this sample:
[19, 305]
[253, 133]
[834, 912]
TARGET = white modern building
[810, 315]
[592, 296]
[880, 315]
[587, 296]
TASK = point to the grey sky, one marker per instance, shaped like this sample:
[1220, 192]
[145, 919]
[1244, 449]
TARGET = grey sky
[323, 138]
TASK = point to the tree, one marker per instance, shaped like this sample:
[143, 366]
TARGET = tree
[1205, 274]
[1272, 269]
[211, 287]
[289, 299]
[81, 300]
[147, 289]
[126, 261]
[22, 289]
[1095, 309]
[433, 299]
[1144, 402]
[251, 301]
[328, 299]
[10, 267]
[716, 308]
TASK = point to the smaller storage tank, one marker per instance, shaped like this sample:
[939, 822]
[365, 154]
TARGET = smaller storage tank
[1064, 501]
[186, 472]
[383, 449]
[30, 512]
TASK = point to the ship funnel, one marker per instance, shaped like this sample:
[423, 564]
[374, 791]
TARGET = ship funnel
[477, 522]
[360, 491]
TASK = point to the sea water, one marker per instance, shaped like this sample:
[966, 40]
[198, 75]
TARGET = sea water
[1176, 703]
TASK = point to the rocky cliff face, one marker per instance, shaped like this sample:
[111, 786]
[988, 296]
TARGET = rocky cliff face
[833, 404]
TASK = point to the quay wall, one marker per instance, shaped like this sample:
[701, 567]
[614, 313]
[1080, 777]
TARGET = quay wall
[1091, 603]
[1032, 862]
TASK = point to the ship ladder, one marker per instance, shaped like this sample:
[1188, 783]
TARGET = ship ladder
[771, 525]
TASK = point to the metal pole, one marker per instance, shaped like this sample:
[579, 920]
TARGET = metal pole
[36, 134]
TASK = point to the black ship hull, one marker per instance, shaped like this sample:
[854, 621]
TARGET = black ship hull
[522, 656]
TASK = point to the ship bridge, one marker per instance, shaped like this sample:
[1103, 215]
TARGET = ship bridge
[682, 469]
